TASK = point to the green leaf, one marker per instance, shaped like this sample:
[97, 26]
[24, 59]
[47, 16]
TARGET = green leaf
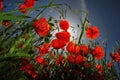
[50, 19]
[13, 56]
[0, 22]
[47, 40]
[51, 26]
[27, 42]
[12, 17]
[12, 50]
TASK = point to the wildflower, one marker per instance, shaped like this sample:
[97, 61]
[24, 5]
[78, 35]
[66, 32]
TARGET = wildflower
[57, 62]
[76, 50]
[63, 35]
[83, 49]
[44, 49]
[6, 23]
[92, 32]
[71, 59]
[27, 4]
[27, 67]
[41, 26]
[78, 59]
[57, 44]
[1, 6]
[97, 52]
[70, 47]
[34, 74]
[115, 56]
[40, 60]
[84, 59]
[109, 64]
[99, 68]
[60, 60]
[64, 25]
[22, 8]
[52, 55]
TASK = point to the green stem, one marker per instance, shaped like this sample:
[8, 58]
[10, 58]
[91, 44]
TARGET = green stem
[105, 51]
[40, 13]
[49, 5]
[83, 24]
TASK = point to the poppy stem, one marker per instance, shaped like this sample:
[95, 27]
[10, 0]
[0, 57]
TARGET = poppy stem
[83, 24]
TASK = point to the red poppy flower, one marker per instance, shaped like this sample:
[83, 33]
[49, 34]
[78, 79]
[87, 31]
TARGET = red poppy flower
[22, 8]
[41, 27]
[25, 64]
[99, 68]
[115, 56]
[109, 64]
[64, 25]
[92, 32]
[97, 52]
[52, 55]
[84, 59]
[70, 47]
[57, 62]
[31, 72]
[40, 60]
[83, 49]
[71, 59]
[29, 3]
[27, 67]
[1, 6]
[6, 23]
[61, 59]
[44, 49]
[34, 74]
[57, 44]
[76, 50]
[63, 35]
[78, 59]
